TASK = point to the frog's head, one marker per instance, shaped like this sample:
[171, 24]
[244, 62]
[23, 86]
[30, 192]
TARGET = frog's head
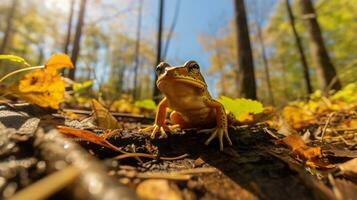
[188, 74]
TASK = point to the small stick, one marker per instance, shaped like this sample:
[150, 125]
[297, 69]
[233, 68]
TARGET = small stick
[169, 176]
[145, 155]
[325, 127]
[115, 114]
[49, 185]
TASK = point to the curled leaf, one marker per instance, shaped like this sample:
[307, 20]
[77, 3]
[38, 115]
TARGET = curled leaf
[103, 117]
[58, 61]
[88, 136]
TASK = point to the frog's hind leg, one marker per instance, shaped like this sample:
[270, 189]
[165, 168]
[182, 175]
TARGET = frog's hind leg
[178, 120]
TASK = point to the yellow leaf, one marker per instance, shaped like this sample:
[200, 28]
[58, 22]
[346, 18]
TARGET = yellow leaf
[103, 117]
[42, 87]
[58, 61]
[298, 117]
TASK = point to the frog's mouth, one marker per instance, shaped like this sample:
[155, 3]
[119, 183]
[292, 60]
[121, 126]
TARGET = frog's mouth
[182, 79]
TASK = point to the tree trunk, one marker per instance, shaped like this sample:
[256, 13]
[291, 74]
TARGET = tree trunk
[8, 30]
[77, 38]
[266, 65]
[326, 72]
[300, 48]
[137, 51]
[158, 54]
[244, 53]
[69, 28]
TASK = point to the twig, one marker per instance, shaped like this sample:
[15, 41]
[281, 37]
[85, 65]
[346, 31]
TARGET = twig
[49, 185]
[145, 155]
[160, 175]
[325, 127]
[20, 70]
[115, 114]
[204, 170]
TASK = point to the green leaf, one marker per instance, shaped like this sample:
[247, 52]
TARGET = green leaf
[348, 93]
[241, 106]
[146, 104]
[81, 86]
[14, 59]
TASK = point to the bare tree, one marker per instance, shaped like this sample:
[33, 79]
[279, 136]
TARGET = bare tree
[9, 24]
[158, 48]
[300, 48]
[326, 72]
[69, 27]
[137, 49]
[244, 53]
[172, 28]
[77, 38]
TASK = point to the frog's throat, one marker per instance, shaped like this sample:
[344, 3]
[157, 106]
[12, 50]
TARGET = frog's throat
[190, 81]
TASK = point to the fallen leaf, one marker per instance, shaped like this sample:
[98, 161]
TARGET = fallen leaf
[103, 117]
[45, 86]
[88, 136]
[58, 61]
[156, 189]
[297, 117]
[42, 87]
[311, 155]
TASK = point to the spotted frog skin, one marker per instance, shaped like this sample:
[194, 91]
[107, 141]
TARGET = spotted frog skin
[186, 94]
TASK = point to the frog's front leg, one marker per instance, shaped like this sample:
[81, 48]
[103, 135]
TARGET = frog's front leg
[222, 123]
[160, 119]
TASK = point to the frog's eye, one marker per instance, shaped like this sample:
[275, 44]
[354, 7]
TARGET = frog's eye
[193, 66]
[161, 68]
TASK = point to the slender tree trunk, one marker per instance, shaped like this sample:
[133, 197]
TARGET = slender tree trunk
[171, 30]
[69, 28]
[244, 53]
[137, 50]
[158, 54]
[300, 48]
[326, 72]
[77, 38]
[9, 24]
[285, 81]
[266, 65]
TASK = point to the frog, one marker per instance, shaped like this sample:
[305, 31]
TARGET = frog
[186, 94]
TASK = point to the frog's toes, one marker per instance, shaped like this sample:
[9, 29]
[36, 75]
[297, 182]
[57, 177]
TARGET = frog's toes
[219, 132]
[173, 127]
[163, 133]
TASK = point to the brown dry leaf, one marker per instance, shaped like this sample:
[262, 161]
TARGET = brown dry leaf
[88, 136]
[310, 154]
[298, 117]
[58, 61]
[157, 189]
[103, 117]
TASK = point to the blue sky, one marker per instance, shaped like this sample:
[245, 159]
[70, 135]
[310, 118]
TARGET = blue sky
[196, 17]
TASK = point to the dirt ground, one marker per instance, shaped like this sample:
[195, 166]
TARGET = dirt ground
[182, 167]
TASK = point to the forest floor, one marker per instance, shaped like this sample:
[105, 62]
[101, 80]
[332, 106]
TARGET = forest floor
[257, 166]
